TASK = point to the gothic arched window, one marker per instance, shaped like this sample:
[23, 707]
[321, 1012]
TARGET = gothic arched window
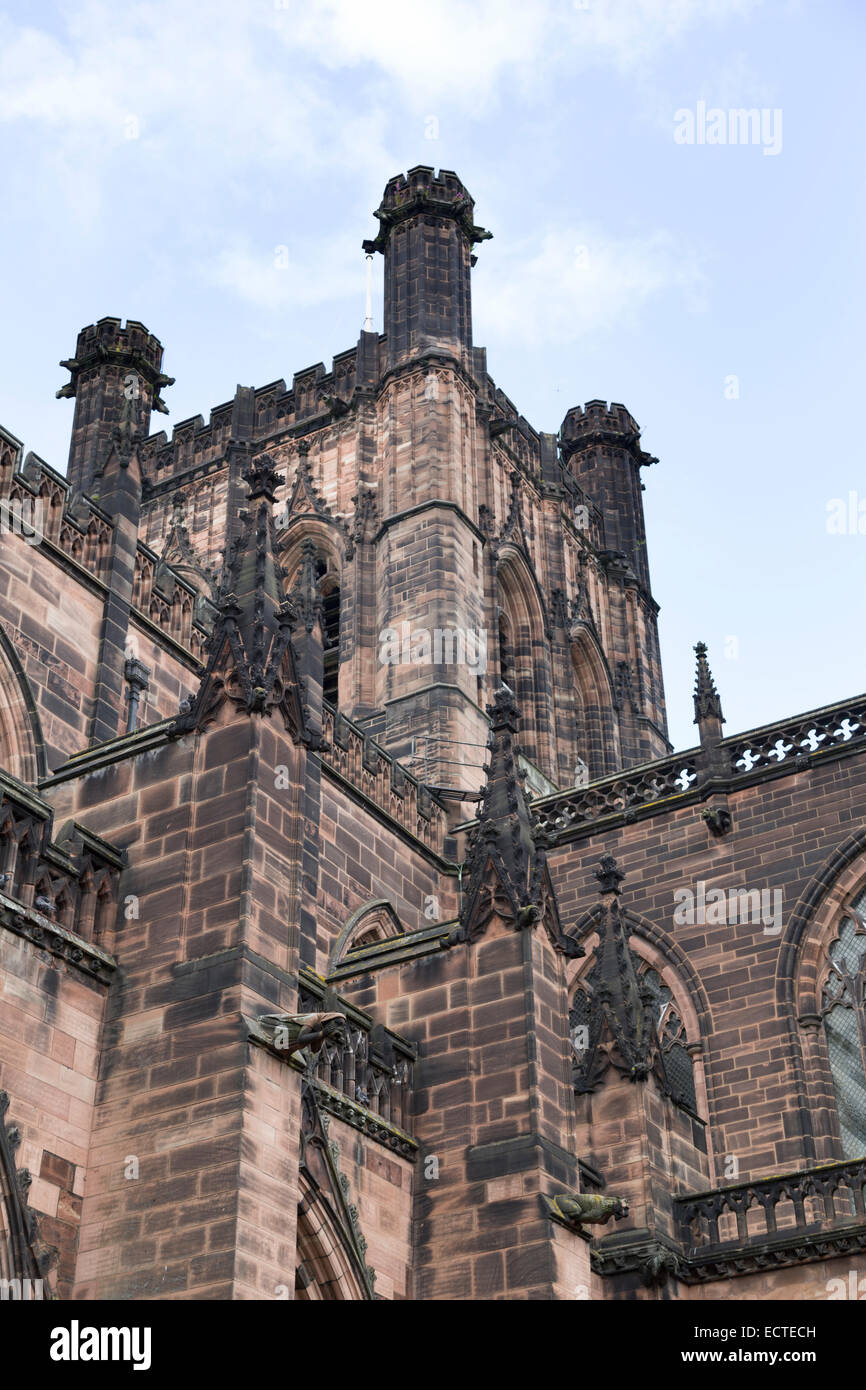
[843, 1006]
[326, 581]
[678, 1066]
[506, 652]
[330, 591]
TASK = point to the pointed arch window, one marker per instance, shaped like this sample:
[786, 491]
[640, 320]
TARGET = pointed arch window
[329, 588]
[328, 585]
[525, 656]
[843, 1007]
[678, 1066]
[506, 652]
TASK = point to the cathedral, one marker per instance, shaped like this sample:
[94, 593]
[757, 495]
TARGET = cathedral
[362, 936]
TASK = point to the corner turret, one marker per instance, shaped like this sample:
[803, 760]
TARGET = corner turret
[426, 234]
[116, 378]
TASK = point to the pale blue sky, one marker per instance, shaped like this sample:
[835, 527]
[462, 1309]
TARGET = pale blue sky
[155, 155]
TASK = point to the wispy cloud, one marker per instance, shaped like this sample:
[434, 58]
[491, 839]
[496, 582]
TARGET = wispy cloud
[283, 276]
[253, 81]
[463, 52]
[581, 282]
[198, 89]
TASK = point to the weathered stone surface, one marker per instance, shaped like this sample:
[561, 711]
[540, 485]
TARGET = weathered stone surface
[247, 681]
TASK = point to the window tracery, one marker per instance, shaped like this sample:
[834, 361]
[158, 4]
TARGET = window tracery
[843, 1008]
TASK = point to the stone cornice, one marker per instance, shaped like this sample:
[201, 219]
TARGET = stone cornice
[365, 1121]
[795, 1248]
[48, 935]
[115, 750]
[396, 950]
[24, 796]
[439, 505]
[429, 358]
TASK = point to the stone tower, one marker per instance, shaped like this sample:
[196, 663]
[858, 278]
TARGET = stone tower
[456, 547]
[321, 723]
[116, 380]
[431, 466]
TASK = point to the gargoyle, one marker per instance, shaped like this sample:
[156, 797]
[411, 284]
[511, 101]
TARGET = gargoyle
[336, 406]
[718, 820]
[293, 1032]
[658, 1266]
[585, 1209]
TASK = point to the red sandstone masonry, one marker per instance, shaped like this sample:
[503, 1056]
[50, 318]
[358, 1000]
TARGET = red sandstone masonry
[187, 1126]
[784, 832]
[240, 874]
[50, 1019]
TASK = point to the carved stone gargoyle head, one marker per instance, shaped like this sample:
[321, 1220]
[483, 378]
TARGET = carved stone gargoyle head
[586, 1209]
[292, 1033]
[718, 820]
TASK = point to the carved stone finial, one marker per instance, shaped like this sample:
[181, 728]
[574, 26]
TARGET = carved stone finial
[506, 866]
[503, 713]
[306, 598]
[251, 660]
[620, 1029]
[263, 478]
[708, 705]
[609, 875]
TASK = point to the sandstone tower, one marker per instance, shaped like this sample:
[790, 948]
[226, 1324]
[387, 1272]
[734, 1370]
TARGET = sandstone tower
[361, 934]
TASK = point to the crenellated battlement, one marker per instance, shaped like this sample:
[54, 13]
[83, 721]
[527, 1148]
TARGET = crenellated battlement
[111, 342]
[599, 423]
[422, 190]
[75, 524]
[115, 380]
[511, 430]
[268, 411]
[49, 509]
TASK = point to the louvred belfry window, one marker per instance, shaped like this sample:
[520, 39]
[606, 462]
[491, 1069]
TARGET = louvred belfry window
[843, 1006]
[327, 583]
[330, 591]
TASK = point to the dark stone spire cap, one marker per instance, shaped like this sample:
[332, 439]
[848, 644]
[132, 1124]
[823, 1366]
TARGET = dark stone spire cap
[708, 705]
